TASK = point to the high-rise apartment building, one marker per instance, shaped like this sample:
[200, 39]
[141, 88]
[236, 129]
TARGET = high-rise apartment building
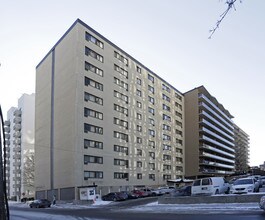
[103, 118]
[241, 150]
[209, 136]
[19, 129]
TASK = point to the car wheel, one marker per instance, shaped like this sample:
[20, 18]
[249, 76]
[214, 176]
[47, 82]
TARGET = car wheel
[227, 191]
[217, 192]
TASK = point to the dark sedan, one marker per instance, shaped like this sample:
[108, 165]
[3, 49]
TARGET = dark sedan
[114, 196]
[182, 191]
[40, 203]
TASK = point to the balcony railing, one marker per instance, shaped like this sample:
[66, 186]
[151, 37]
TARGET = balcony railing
[217, 157]
[205, 146]
[205, 138]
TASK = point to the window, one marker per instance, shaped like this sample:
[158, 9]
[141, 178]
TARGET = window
[93, 54]
[121, 83]
[178, 96]
[178, 123]
[94, 69]
[179, 168]
[151, 99]
[92, 159]
[165, 107]
[206, 182]
[93, 98]
[166, 127]
[166, 177]
[151, 110]
[179, 159]
[121, 58]
[92, 113]
[121, 122]
[151, 89]
[178, 105]
[178, 150]
[139, 104]
[121, 162]
[179, 132]
[166, 167]
[166, 147]
[166, 117]
[139, 81]
[139, 128]
[178, 141]
[152, 155]
[166, 137]
[139, 140]
[164, 97]
[93, 83]
[94, 40]
[151, 144]
[121, 96]
[120, 70]
[151, 121]
[121, 136]
[121, 149]
[152, 166]
[139, 152]
[166, 157]
[139, 116]
[121, 175]
[151, 78]
[151, 132]
[178, 114]
[139, 93]
[121, 109]
[138, 69]
[139, 164]
[152, 177]
[139, 176]
[164, 87]
[92, 129]
[93, 144]
[93, 174]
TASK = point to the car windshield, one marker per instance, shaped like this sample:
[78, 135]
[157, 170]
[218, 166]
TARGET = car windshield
[243, 181]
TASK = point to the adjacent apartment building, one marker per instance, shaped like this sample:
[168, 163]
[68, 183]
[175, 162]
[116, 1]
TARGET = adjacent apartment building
[19, 133]
[241, 150]
[209, 136]
[103, 119]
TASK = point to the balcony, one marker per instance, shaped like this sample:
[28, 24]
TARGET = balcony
[17, 134]
[214, 106]
[7, 129]
[8, 143]
[205, 146]
[211, 163]
[17, 113]
[17, 141]
[217, 136]
[17, 127]
[7, 123]
[217, 157]
[205, 114]
[205, 138]
[17, 164]
[17, 149]
[16, 156]
[17, 120]
[7, 136]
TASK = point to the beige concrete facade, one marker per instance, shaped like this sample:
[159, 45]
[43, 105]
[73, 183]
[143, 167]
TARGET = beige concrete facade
[103, 118]
[209, 136]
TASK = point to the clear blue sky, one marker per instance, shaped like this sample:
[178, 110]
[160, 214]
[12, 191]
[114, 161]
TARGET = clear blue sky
[169, 36]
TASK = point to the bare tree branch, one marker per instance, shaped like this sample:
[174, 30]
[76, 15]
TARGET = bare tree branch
[230, 5]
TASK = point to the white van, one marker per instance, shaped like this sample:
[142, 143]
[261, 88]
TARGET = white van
[210, 186]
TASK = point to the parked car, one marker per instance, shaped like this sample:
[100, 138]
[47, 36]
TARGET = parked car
[166, 189]
[210, 186]
[262, 203]
[262, 179]
[131, 195]
[114, 196]
[152, 192]
[244, 185]
[40, 203]
[140, 193]
[182, 191]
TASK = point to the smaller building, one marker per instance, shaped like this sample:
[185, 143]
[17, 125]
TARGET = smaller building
[241, 150]
[19, 134]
